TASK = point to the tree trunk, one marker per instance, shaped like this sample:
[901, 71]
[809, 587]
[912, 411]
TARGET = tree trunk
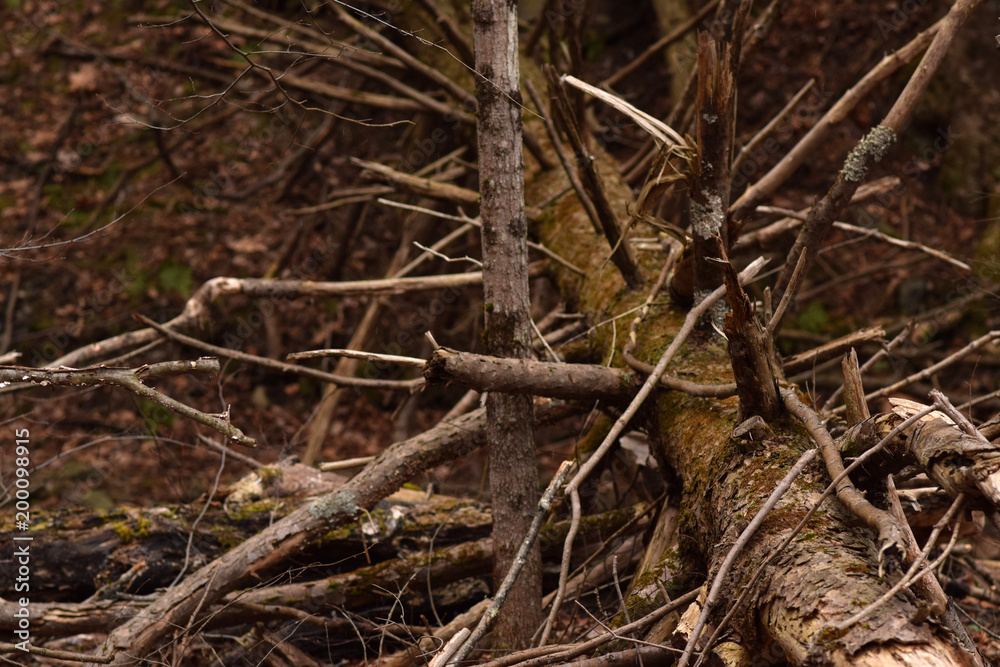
[513, 473]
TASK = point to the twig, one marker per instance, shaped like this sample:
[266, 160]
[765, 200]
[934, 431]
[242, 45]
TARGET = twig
[451, 31]
[793, 219]
[713, 594]
[593, 183]
[277, 80]
[889, 532]
[864, 231]
[573, 487]
[912, 573]
[628, 350]
[960, 420]
[196, 307]
[58, 655]
[767, 129]
[909, 245]
[226, 451]
[883, 352]
[488, 618]
[665, 135]
[415, 362]
[8, 318]
[31, 217]
[131, 380]
[774, 324]
[583, 648]
[927, 372]
[449, 650]
[618, 635]
[387, 45]
[446, 258]
[819, 354]
[659, 45]
[564, 158]
[928, 587]
[421, 184]
[608, 541]
[474, 222]
[345, 464]
[409, 385]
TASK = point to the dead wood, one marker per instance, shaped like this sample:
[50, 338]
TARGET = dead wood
[593, 184]
[144, 634]
[723, 480]
[819, 580]
[525, 376]
[751, 352]
[872, 148]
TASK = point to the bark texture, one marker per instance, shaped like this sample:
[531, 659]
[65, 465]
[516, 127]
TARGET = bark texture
[513, 473]
[828, 573]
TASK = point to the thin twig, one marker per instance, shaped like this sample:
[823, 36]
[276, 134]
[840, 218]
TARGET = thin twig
[659, 45]
[588, 646]
[767, 129]
[449, 650]
[414, 63]
[415, 362]
[960, 420]
[622, 254]
[564, 158]
[793, 287]
[883, 352]
[130, 379]
[927, 372]
[345, 464]
[58, 655]
[475, 222]
[628, 350]
[409, 385]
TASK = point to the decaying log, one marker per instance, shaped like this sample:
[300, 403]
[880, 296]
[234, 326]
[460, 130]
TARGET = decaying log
[723, 480]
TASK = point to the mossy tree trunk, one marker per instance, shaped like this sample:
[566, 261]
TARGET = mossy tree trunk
[829, 572]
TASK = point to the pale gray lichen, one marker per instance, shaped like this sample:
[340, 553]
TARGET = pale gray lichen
[334, 504]
[873, 146]
[707, 220]
[717, 311]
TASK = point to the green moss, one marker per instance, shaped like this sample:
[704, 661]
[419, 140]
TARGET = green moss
[254, 509]
[269, 474]
[123, 531]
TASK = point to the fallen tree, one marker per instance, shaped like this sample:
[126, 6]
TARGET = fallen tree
[815, 568]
